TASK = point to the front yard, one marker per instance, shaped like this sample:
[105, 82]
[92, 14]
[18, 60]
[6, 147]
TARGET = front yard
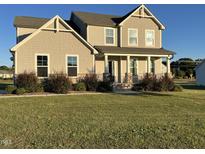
[155, 120]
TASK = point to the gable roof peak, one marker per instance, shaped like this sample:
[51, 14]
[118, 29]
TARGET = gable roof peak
[142, 6]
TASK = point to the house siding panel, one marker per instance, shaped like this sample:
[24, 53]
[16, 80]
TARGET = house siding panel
[57, 45]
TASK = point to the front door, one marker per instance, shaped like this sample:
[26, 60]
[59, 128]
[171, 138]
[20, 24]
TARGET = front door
[113, 70]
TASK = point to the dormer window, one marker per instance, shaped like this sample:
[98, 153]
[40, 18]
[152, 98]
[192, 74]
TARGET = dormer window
[133, 37]
[109, 36]
[149, 38]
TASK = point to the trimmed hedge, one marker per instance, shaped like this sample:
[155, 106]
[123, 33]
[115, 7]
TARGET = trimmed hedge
[80, 86]
[152, 83]
[28, 81]
[57, 83]
[91, 82]
[10, 89]
[20, 91]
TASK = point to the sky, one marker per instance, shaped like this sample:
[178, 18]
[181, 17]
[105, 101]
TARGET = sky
[184, 33]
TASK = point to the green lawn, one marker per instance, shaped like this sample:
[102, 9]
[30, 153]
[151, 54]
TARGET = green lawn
[160, 120]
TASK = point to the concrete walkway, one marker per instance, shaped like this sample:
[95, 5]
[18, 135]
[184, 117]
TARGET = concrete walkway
[47, 95]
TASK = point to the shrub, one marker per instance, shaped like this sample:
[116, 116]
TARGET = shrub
[104, 86]
[28, 81]
[178, 88]
[137, 87]
[91, 82]
[20, 91]
[80, 86]
[10, 89]
[151, 83]
[39, 88]
[165, 83]
[57, 83]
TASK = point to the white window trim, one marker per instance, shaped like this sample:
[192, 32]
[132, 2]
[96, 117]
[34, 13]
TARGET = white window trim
[66, 64]
[105, 28]
[137, 63]
[42, 54]
[146, 40]
[134, 45]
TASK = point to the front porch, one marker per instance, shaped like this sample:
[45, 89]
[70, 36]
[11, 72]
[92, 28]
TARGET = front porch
[129, 65]
[132, 68]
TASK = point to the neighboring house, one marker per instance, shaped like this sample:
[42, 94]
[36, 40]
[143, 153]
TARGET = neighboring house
[126, 47]
[200, 73]
[6, 74]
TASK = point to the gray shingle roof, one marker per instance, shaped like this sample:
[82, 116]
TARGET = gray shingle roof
[128, 50]
[98, 19]
[29, 22]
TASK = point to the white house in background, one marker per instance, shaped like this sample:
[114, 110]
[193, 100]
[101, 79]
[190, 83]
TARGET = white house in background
[4, 74]
[200, 73]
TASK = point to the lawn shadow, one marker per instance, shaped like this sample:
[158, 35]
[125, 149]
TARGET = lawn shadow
[4, 85]
[192, 86]
[145, 94]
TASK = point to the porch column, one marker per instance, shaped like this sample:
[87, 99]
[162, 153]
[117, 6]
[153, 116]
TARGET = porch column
[120, 73]
[128, 75]
[148, 64]
[106, 69]
[106, 64]
[128, 65]
[168, 65]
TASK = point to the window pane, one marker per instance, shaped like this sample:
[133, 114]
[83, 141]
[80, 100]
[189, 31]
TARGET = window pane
[42, 61]
[109, 40]
[132, 33]
[133, 37]
[133, 40]
[109, 36]
[150, 38]
[72, 61]
[109, 32]
[72, 71]
[42, 71]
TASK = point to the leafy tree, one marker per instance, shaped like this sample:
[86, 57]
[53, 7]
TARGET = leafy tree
[4, 67]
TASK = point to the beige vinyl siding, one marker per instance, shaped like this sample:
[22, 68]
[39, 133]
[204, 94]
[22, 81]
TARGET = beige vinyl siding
[57, 45]
[22, 33]
[158, 66]
[141, 24]
[96, 35]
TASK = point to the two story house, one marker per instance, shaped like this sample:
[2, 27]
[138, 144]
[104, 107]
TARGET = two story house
[126, 47]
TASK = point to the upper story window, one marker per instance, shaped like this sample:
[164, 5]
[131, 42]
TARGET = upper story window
[149, 38]
[133, 37]
[72, 65]
[109, 36]
[42, 65]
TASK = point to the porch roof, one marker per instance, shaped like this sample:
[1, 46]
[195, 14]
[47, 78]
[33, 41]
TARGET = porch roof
[130, 50]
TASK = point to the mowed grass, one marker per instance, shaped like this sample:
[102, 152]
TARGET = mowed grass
[156, 120]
